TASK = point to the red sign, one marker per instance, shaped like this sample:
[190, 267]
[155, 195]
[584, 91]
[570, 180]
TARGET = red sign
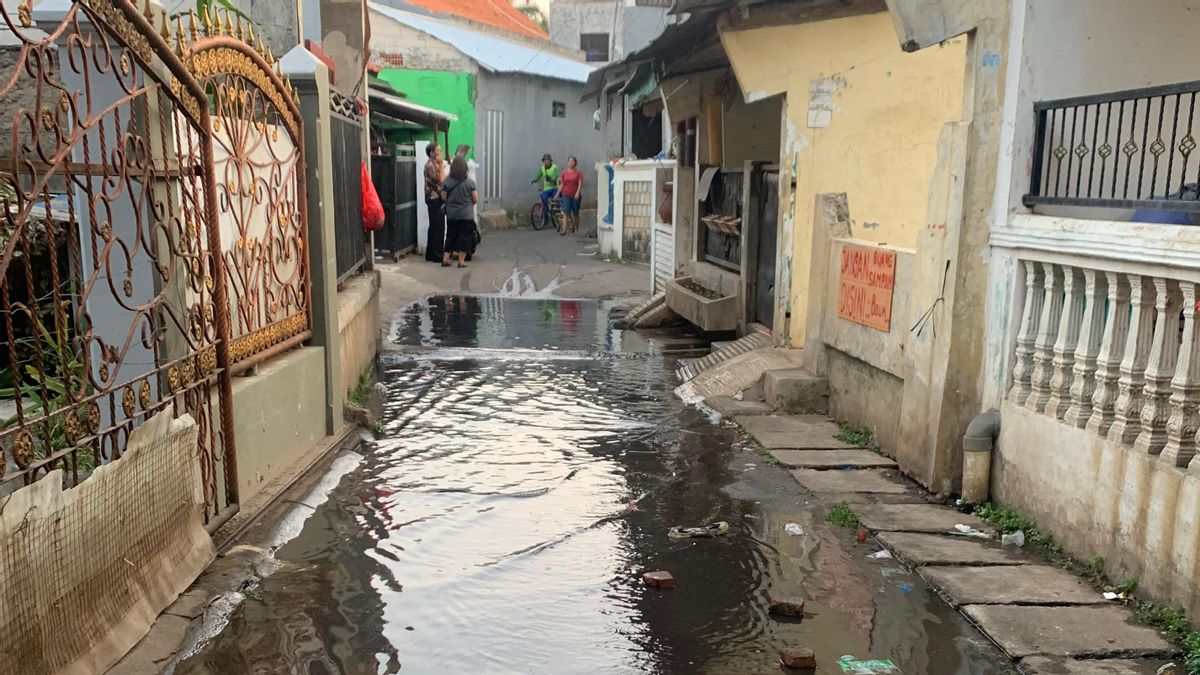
[867, 278]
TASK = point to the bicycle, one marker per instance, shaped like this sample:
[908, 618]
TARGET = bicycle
[536, 220]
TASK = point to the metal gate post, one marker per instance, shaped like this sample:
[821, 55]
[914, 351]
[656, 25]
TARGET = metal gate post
[310, 76]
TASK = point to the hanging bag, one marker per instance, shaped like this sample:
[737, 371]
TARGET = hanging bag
[372, 208]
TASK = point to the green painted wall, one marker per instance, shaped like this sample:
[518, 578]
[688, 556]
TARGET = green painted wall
[448, 92]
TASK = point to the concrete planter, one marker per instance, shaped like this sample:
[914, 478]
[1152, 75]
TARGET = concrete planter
[708, 314]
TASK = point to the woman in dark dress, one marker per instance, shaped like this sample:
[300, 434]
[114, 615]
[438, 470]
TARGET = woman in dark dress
[461, 197]
[434, 172]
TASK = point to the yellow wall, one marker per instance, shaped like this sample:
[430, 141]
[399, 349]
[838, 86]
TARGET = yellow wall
[884, 110]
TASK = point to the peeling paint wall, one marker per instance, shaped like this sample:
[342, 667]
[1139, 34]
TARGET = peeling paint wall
[863, 118]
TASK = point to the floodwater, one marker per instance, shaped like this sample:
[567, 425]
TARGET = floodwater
[530, 463]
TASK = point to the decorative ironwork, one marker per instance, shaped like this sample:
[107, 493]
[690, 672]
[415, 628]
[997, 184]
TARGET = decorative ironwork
[114, 189]
[1153, 128]
[259, 185]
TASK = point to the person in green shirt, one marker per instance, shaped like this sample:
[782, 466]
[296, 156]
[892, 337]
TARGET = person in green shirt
[547, 182]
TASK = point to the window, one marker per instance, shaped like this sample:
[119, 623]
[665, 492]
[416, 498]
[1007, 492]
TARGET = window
[559, 109]
[595, 45]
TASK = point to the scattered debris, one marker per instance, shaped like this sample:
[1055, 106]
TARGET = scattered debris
[905, 587]
[889, 572]
[1014, 539]
[704, 532]
[849, 664]
[659, 579]
[1169, 669]
[968, 531]
[1109, 595]
[741, 395]
[794, 529]
[880, 555]
[797, 657]
[861, 536]
[787, 606]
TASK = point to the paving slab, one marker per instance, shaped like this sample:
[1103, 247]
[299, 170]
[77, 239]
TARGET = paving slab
[917, 518]
[729, 406]
[936, 549]
[848, 481]
[1011, 585]
[800, 432]
[828, 459]
[1085, 631]
[1045, 665]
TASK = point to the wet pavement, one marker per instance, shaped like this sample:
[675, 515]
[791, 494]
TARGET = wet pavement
[530, 463]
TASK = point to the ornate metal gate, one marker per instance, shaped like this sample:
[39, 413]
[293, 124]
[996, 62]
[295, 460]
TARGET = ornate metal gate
[152, 233]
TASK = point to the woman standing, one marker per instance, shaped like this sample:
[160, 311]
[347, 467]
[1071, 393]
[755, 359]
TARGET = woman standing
[461, 197]
[570, 191]
[434, 172]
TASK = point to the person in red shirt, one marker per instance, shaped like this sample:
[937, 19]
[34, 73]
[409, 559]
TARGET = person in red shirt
[570, 192]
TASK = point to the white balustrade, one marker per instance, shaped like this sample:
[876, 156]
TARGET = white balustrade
[1114, 352]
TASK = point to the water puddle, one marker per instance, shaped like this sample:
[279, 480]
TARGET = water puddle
[531, 463]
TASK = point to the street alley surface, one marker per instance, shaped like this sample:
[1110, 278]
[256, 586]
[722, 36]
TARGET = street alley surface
[528, 467]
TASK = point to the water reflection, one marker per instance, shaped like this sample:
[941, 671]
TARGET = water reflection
[491, 529]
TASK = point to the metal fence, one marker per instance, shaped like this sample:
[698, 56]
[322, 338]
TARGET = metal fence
[1131, 149]
[346, 130]
[394, 171]
[153, 236]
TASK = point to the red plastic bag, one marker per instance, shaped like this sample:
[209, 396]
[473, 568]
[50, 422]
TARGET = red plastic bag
[372, 208]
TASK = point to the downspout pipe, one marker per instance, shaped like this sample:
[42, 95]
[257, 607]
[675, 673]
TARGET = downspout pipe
[978, 443]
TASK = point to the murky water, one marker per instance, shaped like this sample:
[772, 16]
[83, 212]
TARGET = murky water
[531, 463]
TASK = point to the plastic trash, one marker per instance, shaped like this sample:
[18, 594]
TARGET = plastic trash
[703, 532]
[794, 529]
[968, 531]
[905, 587]
[1014, 539]
[1109, 595]
[849, 664]
[880, 555]
[739, 396]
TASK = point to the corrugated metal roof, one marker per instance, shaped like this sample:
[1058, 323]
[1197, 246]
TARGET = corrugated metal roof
[492, 53]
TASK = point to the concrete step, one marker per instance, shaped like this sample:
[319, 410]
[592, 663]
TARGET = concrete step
[795, 390]
[723, 351]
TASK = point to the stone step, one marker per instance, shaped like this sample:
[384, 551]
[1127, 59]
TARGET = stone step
[917, 549]
[1049, 665]
[876, 482]
[1011, 585]
[795, 390]
[1090, 631]
[832, 459]
[795, 432]
[918, 518]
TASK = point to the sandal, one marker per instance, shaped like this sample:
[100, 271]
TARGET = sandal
[445, 264]
[460, 265]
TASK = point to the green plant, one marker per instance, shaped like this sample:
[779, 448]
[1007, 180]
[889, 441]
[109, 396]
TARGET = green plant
[48, 389]
[854, 434]
[360, 395]
[843, 516]
[767, 456]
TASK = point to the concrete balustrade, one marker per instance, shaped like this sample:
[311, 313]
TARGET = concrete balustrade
[1113, 352]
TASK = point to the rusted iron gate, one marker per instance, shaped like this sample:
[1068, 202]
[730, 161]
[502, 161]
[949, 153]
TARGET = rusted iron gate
[153, 238]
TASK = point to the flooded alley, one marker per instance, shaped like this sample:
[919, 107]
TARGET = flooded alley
[528, 465]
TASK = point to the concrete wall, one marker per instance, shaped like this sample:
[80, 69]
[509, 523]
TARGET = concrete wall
[1078, 47]
[452, 92]
[868, 396]
[530, 130]
[419, 50]
[277, 416]
[863, 118]
[1099, 498]
[342, 40]
[358, 325]
[629, 28]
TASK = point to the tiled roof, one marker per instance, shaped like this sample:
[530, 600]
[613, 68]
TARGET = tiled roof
[499, 13]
